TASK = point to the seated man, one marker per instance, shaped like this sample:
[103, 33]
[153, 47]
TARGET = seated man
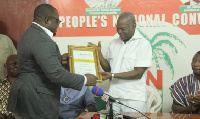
[11, 65]
[186, 91]
[74, 103]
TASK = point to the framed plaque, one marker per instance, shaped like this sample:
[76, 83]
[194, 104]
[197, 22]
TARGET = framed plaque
[84, 60]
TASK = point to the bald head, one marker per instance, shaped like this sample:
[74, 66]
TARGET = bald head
[10, 58]
[126, 26]
[128, 16]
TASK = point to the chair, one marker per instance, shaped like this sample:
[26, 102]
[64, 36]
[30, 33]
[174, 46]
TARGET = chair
[153, 100]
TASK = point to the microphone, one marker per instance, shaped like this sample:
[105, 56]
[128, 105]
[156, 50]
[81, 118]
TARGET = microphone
[99, 92]
[105, 96]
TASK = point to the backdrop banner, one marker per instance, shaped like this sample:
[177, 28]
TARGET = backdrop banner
[171, 26]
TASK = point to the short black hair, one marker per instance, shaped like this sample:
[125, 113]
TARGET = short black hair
[198, 52]
[44, 10]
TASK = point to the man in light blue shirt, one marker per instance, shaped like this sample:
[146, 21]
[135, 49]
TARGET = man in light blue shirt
[74, 103]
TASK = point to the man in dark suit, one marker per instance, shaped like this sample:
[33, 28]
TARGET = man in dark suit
[36, 92]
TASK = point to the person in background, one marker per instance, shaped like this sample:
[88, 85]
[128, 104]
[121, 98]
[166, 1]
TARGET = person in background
[125, 64]
[11, 65]
[6, 48]
[186, 91]
[36, 92]
[74, 103]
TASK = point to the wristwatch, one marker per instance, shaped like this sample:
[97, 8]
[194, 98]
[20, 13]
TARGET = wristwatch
[86, 110]
[112, 76]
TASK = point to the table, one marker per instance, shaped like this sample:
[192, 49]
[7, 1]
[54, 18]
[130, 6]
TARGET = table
[150, 115]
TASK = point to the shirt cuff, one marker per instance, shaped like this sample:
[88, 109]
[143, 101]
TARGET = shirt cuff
[85, 81]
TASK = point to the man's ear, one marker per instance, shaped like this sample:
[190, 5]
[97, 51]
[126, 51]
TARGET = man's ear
[134, 25]
[46, 20]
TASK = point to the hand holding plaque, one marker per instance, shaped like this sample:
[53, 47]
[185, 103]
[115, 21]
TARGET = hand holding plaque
[84, 60]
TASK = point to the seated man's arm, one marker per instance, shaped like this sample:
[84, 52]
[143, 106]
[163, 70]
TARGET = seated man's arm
[89, 102]
[89, 108]
[92, 108]
[177, 108]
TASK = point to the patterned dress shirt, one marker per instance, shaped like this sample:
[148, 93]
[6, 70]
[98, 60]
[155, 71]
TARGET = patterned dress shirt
[4, 93]
[188, 85]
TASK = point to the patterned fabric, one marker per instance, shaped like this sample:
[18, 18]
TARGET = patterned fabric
[188, 85]
[4, 93]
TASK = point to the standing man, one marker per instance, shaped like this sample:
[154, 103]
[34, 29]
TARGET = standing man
[36, 92]
[126, 63]
[6, 48]
[186, 91]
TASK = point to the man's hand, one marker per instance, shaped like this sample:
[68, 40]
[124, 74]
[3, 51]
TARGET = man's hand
[91, 80]
[194, 101]
[82, 112]
[106, 75]
[103, 62]
[93, 45]
[65, 60]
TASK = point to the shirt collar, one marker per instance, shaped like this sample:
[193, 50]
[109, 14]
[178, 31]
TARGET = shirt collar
[45, 29]
[5, 80]
[136, 36]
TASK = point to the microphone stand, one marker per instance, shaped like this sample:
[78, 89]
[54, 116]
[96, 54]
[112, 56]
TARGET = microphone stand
[111, 110]
[111, 100]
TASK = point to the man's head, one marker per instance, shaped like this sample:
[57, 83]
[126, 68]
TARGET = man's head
[11, 65]
[47, 16]
[196, 64]
[126, 26]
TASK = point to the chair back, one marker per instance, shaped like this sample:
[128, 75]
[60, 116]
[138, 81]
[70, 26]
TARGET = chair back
[154, 100]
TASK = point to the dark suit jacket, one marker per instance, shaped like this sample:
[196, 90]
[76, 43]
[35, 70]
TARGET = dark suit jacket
[36, 92]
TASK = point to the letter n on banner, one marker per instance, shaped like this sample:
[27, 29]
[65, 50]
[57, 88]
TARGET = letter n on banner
[156, 82]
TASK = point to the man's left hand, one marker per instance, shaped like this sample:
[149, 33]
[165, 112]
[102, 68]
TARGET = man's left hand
[106, 75]
[65, 60]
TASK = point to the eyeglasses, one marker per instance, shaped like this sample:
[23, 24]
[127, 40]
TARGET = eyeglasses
[58, 21]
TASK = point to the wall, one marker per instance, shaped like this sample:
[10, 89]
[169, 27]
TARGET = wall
[16, 16]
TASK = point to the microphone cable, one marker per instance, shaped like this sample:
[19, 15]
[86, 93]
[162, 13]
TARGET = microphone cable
[134, 109]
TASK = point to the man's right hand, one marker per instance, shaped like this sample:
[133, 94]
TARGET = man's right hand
[90, 44]
[91, 80]
[65, 60]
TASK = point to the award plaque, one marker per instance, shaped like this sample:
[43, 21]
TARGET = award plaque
[84, 60]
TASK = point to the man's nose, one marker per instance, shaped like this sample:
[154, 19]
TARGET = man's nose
[16, 65]
[197, 63]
